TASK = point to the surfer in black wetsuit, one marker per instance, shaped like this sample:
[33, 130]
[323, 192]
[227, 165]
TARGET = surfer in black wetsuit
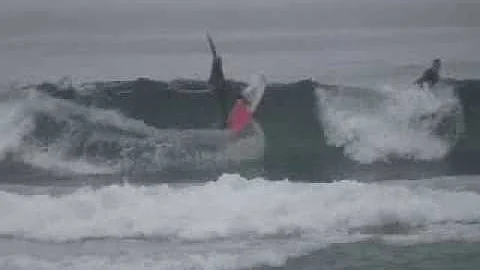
[431, 76]
[217, 81]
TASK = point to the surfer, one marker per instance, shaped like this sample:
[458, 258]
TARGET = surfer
[430, 76]
[217, 82]
[246, 102]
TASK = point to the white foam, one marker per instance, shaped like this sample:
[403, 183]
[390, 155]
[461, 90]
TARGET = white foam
[81, 127]
[381, 124]
[231, 207]
[56, 161]
[138, 145]
[208, 261]
[14, 124]
[231, 223]
[20, 107]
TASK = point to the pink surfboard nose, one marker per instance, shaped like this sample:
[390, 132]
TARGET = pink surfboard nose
[239, 117]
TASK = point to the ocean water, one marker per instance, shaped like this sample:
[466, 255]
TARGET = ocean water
[111, 156]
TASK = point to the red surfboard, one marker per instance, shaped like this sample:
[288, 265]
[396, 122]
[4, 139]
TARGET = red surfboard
[239, 117]
[242, 113]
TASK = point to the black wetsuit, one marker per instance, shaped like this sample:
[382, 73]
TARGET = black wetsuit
[219, 86]
[430, 76]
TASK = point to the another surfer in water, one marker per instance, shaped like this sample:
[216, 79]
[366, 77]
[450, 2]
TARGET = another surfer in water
[431, 76]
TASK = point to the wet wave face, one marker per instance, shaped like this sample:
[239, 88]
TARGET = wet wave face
[233, 222]
[143, 127]
[62, 136]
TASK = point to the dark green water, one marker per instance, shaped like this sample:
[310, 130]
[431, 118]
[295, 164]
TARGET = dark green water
[376, 256]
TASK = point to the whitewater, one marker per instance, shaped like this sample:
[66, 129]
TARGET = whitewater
[229, 223]
[111, 155]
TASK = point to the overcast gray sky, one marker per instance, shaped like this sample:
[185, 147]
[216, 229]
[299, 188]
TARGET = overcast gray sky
[165, 38]
[26, 17]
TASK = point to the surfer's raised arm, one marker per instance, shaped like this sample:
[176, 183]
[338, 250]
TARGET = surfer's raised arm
[211, 45]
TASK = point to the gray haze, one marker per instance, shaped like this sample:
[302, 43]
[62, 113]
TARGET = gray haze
[27, 17]
[42, 39]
